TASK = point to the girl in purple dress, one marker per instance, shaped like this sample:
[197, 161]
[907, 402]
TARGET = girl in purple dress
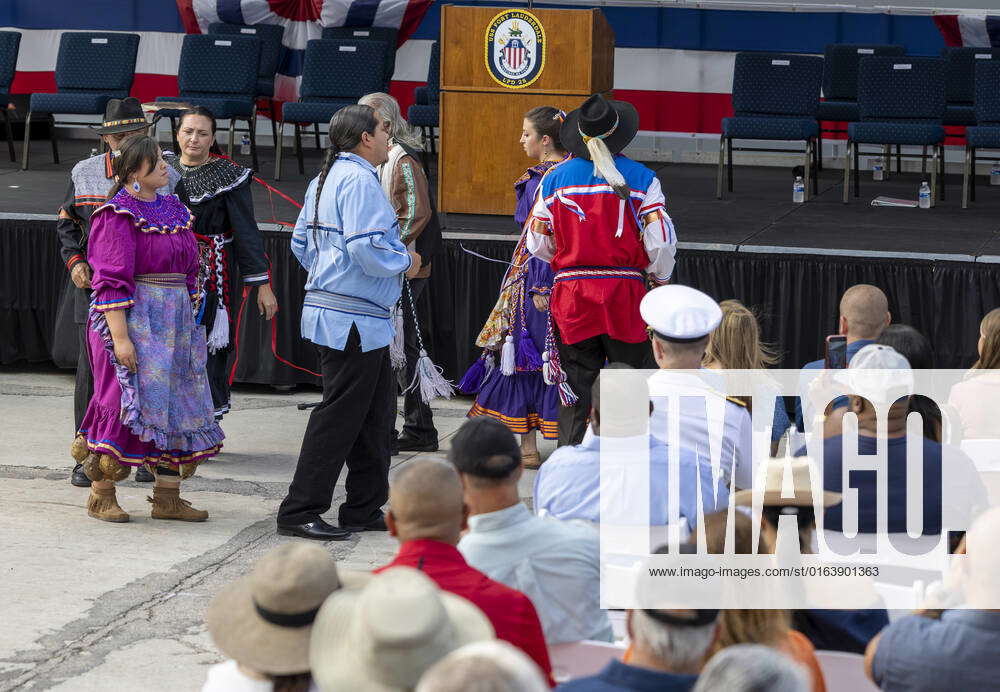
[515, 393]
[152, 404]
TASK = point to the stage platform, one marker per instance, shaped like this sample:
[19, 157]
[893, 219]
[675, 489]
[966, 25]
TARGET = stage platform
[790, 261]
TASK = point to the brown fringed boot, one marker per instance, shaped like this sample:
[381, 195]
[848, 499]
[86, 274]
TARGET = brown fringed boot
[167, 504]
[102, 504]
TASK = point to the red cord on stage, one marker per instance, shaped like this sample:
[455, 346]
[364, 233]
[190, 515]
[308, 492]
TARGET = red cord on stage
[274, 340]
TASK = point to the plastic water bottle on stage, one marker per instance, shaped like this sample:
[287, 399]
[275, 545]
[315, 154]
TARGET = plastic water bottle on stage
[925, 195]
[798, 190]
[995, 174]
[245, 146]
[878, 170]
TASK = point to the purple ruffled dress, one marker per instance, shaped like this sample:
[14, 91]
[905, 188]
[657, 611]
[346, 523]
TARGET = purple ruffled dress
[145, 261]
[522, 401]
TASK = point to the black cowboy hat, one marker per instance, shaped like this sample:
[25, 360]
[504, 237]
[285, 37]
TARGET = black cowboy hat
[122, 115]
[616, 122]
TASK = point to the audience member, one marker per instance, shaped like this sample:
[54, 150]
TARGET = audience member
[681, 319]
[864, 314]
[491, 666]
[977, 399]
[669, 648]
[555, 564]
[751, 668]
[569, 484]
[959, 650]
[383, 637]
[916, 348]
[770, 627]
[960, 481]
[838, 630]
[263, 621]
[427, 515]
[736, 345]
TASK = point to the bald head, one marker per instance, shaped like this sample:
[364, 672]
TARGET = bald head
[864, 312]
[425, 501]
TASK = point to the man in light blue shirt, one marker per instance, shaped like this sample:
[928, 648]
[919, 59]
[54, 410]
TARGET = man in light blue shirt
[555, 564]
[568, 485]
[347, 238]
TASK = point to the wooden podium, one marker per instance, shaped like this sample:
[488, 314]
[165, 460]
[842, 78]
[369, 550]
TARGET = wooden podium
[480, 155]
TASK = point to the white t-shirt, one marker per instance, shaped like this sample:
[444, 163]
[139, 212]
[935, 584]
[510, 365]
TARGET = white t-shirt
[227, 677]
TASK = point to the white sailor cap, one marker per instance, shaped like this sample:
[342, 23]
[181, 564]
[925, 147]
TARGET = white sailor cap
[680, 313]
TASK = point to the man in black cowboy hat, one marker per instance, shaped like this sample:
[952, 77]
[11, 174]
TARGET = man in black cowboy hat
[89, 184]
[601, 221]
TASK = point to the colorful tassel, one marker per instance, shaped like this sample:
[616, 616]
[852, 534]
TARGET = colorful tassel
[429, 380]
[552, 372]
[527, 357]
[547, 370]
[219, 338]
[474, 377]
[397, 354]
[508, 356]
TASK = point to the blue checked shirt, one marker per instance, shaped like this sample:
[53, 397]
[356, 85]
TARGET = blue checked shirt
[354, 257]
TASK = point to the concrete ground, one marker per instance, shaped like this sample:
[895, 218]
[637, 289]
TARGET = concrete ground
[95, 606]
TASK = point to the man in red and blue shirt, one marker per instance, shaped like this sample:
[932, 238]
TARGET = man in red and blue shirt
[600, 219]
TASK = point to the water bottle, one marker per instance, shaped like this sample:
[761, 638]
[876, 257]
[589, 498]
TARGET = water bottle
[93, 151]
[798, 190]
[925, 195]
[878, 170]
[995, 174]
[245, 146]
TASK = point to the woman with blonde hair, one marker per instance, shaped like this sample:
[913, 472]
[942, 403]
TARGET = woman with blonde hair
[770, 627]
[736, 345]
[977, 398]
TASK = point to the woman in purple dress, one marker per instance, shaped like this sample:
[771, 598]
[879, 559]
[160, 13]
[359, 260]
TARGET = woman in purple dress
[152, 404]
[515, 393]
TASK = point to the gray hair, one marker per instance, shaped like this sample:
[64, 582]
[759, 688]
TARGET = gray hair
[680, 648]
[388, 108]
[485, 666]
[752, 668]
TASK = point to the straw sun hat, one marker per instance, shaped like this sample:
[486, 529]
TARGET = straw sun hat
[264, 620]
[798, 493]
[383, 637]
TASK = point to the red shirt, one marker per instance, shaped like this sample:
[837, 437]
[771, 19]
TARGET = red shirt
[510, 611]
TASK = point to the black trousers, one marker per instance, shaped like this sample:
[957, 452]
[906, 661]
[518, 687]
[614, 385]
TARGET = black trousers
[217, 369]
[582, 362]
[83, 390]
[351, 426]
[418, 421]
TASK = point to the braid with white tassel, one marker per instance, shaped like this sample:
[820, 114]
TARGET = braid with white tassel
[428, 378]
[219, 338]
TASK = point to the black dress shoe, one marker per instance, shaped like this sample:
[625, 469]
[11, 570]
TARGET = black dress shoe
[407, 444]
[144, 475]
[377, 525]
[79, 478]
[317, 530]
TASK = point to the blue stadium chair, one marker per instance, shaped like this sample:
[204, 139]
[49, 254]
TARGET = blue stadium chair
[220, 73]
[774, 98]
[901, 101]
[426, 111]
[270, 36]
[91, 69]
[960, 84]
[840, 83]
[986, 133]
[388, 36]
[9, 43]
[336, 73]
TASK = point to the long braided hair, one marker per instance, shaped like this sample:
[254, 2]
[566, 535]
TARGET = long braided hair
[346, 127]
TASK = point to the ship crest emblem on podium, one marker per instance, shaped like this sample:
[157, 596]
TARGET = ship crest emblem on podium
[515, 48]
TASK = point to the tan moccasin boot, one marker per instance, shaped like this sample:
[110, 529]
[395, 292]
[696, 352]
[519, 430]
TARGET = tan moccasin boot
[167, 504]
[102, 504]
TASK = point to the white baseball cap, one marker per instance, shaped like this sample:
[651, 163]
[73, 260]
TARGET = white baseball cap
[879, 373]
